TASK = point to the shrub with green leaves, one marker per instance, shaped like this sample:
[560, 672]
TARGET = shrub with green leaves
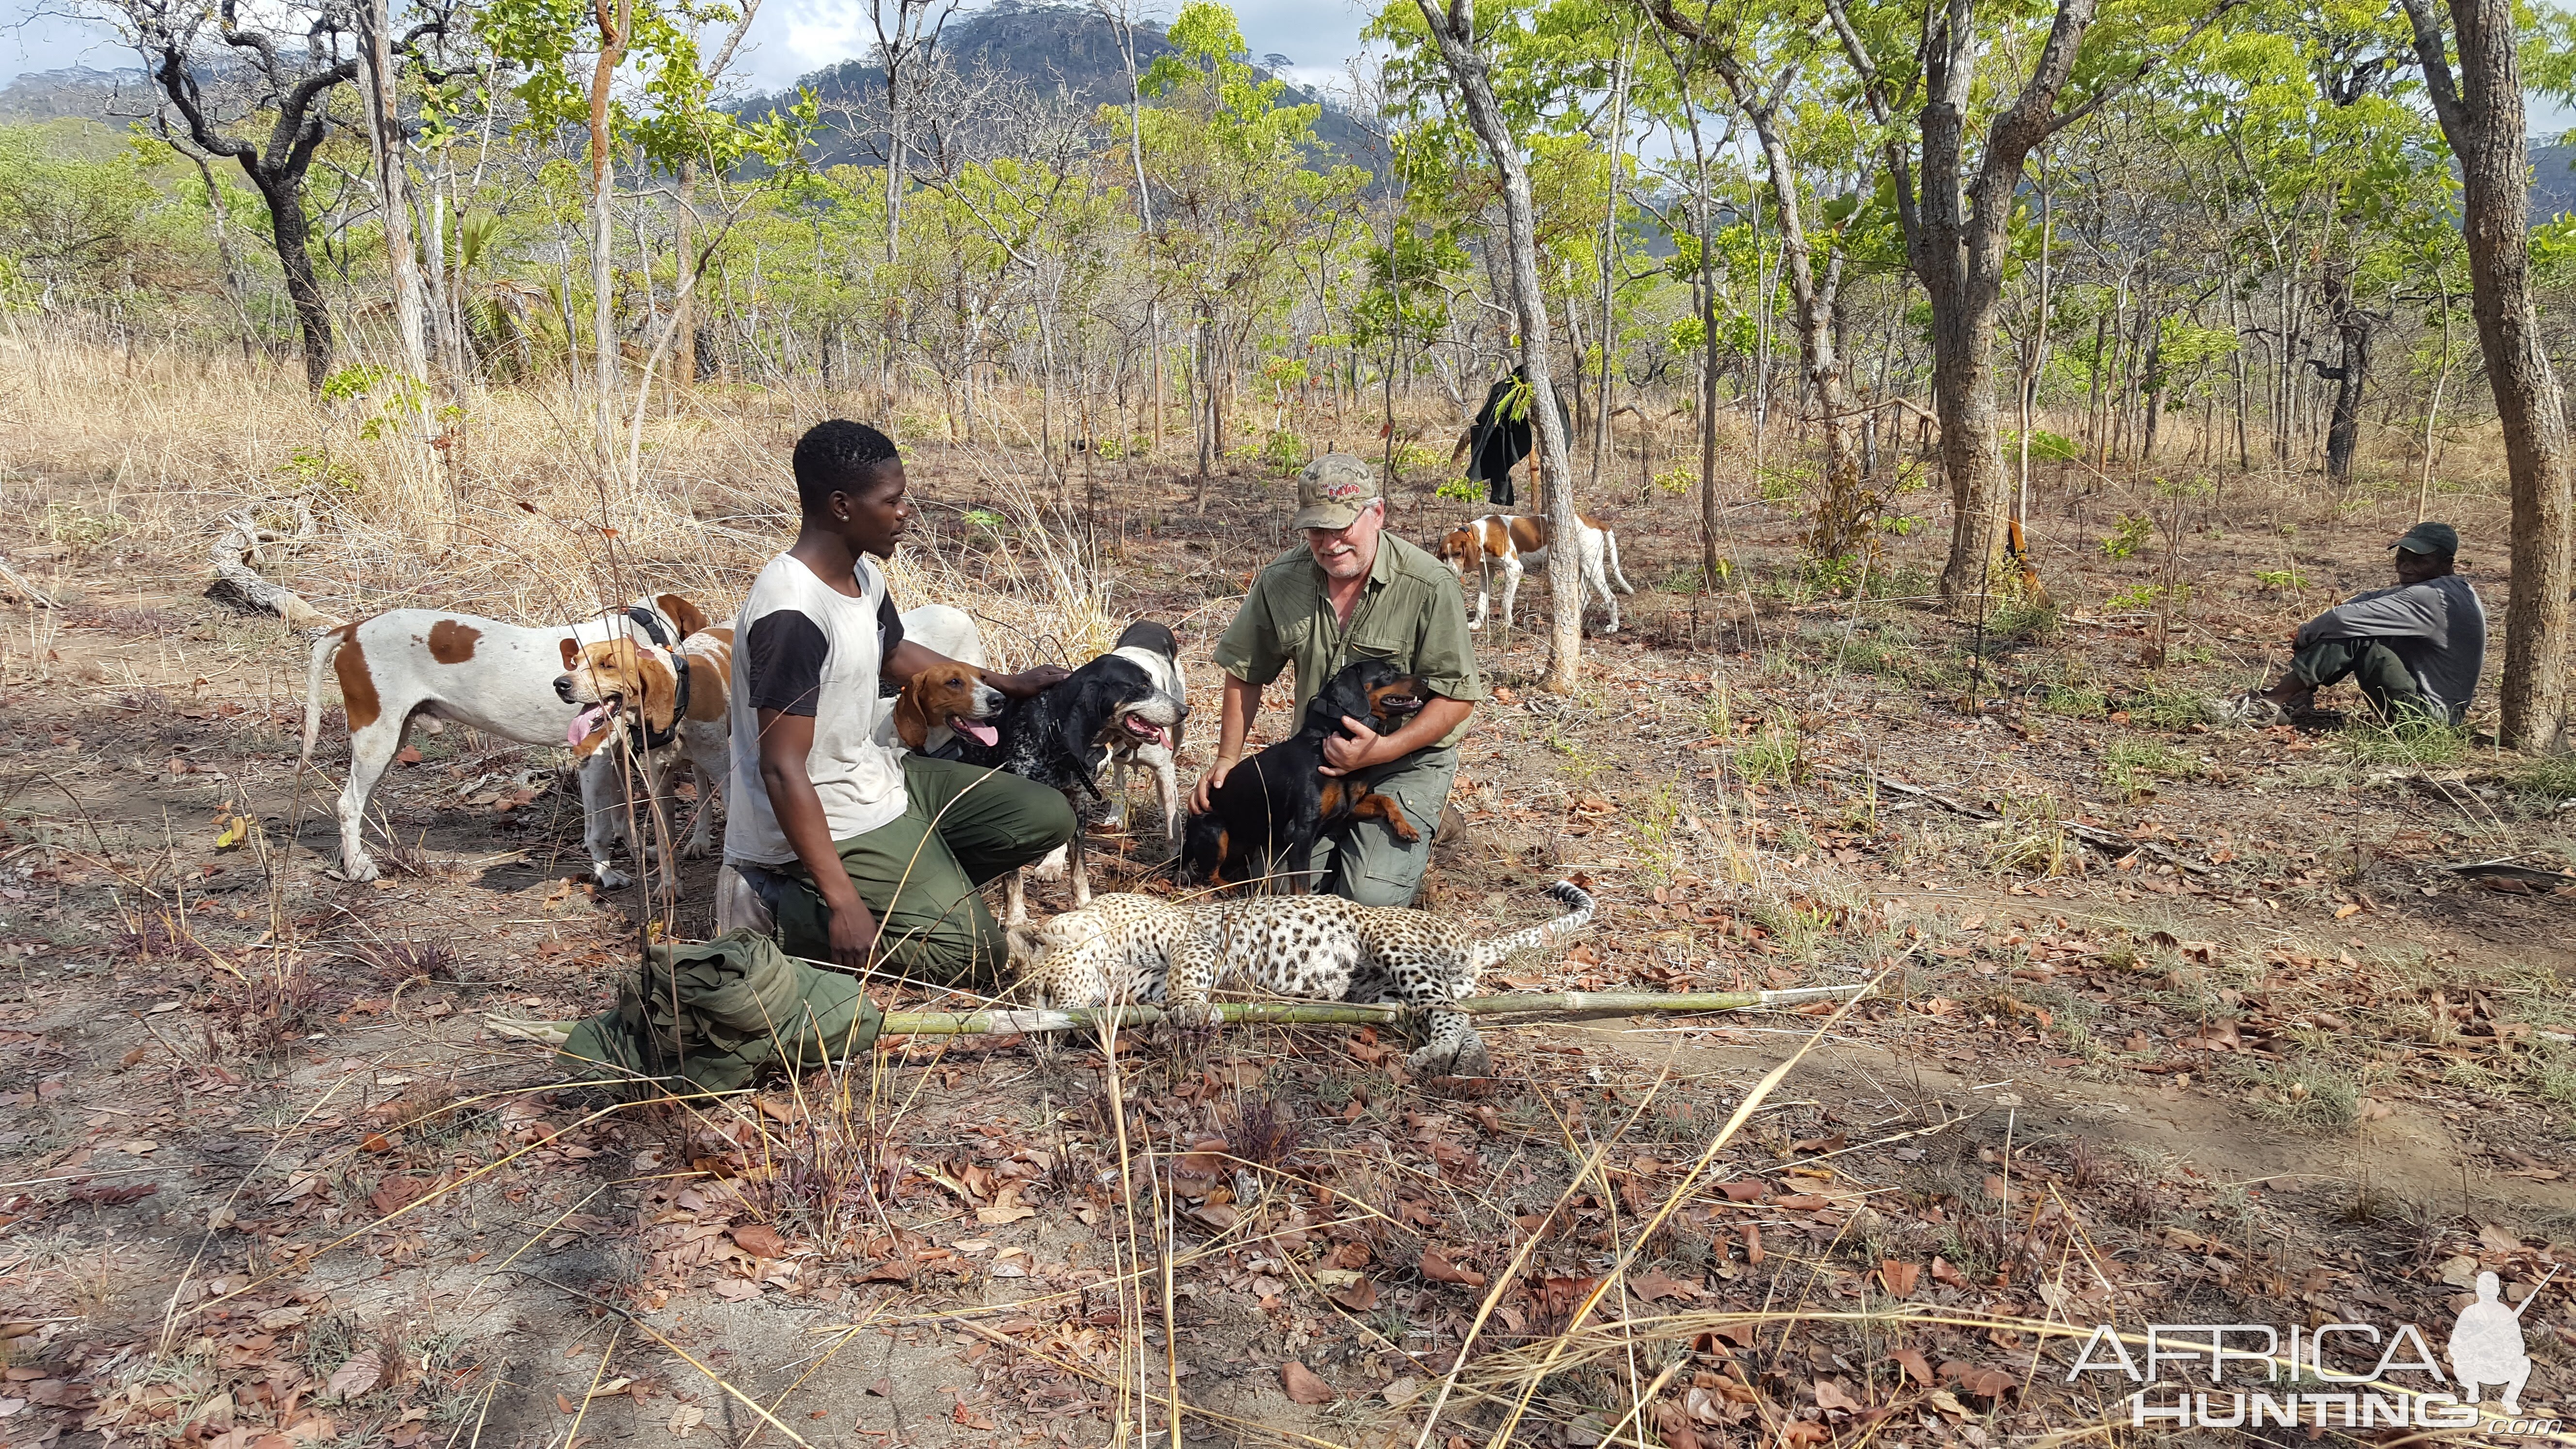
[2129, 535]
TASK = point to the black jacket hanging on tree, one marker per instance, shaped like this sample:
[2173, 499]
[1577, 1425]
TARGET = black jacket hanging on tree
[1497, 443]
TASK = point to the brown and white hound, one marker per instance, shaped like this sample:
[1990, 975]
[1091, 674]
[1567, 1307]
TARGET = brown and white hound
[1513, 543]
[434, 664]
[655, 698]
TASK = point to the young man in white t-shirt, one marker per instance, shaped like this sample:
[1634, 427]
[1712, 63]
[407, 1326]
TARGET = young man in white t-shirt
[865, 855]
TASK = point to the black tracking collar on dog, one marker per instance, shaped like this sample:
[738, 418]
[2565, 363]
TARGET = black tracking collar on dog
[652, 623]
[644, 735]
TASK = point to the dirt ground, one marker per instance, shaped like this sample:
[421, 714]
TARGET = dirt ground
[2174, 1025]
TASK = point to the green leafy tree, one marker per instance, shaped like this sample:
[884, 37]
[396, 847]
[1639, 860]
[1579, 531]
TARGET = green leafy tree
[1225, 158]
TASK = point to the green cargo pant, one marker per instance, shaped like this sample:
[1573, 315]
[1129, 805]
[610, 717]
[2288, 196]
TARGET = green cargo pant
[1366, 862]
[921, 873]
[2383, 677]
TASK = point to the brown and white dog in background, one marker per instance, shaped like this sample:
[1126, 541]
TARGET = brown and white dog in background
[656, 698]
[1512, 543]
[433, 664]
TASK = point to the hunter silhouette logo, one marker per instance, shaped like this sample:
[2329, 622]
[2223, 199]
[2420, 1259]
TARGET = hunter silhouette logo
[2486, 1343]
[2327, 1377]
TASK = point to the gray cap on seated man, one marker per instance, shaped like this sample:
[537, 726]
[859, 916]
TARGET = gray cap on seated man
[2415, 649]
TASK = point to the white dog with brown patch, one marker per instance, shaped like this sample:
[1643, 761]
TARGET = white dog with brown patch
[1513, 543]
[499, 678]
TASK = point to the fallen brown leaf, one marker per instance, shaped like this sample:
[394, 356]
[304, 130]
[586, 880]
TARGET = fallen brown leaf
[1439, 1269]
[1301, 1386]
[1655, 1284]
[759, 1240]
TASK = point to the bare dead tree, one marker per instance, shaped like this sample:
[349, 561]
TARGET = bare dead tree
[281, 72]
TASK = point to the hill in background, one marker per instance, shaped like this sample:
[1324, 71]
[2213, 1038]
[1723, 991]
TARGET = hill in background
[75, 93]
[1056, 48]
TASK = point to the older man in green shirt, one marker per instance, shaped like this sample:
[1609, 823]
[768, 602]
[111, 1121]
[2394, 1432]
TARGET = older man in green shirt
[1355, 591]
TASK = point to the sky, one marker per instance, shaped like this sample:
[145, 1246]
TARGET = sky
[793, 37]
[789, 39]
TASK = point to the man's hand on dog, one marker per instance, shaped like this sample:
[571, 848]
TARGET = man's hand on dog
[1356, 748]
[1209, 784]
[1031, 682]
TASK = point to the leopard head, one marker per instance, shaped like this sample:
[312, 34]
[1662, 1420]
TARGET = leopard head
[1061, 974]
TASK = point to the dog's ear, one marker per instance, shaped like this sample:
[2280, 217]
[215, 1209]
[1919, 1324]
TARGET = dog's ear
[681, 612]
[658, 690]
[911, 725]
[571, 654]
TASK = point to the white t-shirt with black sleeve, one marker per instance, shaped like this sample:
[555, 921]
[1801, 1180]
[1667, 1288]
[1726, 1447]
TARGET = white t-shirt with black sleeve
[802, 647]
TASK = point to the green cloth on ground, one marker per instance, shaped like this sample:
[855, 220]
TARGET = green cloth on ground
[711, 1016]
[922, 873]
[2383, 677]
[1365, 862]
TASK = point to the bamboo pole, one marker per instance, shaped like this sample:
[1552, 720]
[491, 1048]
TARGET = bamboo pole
[1556, 1005]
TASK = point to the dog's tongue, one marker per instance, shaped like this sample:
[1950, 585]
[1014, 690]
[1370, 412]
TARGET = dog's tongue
[583, 723]
[984, 734]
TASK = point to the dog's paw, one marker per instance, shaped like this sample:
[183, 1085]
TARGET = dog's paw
[1053, 867]
[610, 878]
[358, 868]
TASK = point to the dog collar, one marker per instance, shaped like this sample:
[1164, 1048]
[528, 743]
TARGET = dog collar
[651, 623]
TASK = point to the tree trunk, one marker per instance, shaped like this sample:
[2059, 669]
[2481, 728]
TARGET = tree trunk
[1610, 257]
[236, 288]
[684, 359]
[1835, 532]
[293, 236]
[385, 143]
[1454, 31]
[603, 305]
[2352, 327]
[2482, 116]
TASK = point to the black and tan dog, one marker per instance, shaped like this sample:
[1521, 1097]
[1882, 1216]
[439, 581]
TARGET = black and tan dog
[1065, 736]
[1275, 804]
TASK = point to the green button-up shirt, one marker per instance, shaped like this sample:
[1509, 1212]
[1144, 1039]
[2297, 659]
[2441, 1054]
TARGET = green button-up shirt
[1411, 613]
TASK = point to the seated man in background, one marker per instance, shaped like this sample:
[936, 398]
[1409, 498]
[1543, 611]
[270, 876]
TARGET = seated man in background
[863, 855]
[2415, 649]
[1355, 590]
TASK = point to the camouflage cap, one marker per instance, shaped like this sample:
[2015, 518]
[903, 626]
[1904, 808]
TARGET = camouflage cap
[1332, 490]
[2433, 538]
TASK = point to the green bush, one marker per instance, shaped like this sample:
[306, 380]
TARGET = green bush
[2129, 535]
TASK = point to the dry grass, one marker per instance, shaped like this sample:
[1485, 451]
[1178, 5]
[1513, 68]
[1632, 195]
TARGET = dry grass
[509, 514]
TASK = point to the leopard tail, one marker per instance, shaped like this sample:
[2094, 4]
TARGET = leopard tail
[1578, 914]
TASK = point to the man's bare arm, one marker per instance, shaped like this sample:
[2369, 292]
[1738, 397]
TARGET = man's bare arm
[1234, 726]
[907, 659]
[785, 742]
[1359, 747]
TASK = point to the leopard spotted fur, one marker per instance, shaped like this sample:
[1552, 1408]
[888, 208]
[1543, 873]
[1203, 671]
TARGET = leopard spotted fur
[1128, 948]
